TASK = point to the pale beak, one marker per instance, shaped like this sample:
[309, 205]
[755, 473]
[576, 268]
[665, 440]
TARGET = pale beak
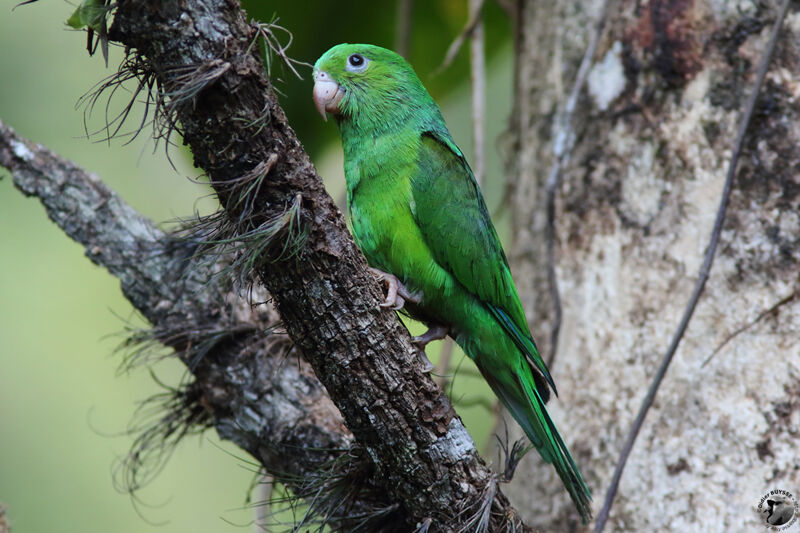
[327, 94]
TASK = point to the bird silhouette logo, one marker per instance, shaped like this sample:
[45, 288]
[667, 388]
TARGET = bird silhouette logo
[779, 509]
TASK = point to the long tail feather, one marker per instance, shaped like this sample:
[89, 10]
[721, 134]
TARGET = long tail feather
[531, 414]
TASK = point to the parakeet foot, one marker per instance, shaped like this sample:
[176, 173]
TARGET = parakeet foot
[427, 366]
[434, 333]
[397, 294]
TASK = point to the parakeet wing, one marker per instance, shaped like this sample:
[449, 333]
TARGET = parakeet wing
[452, 216]
[455, 223]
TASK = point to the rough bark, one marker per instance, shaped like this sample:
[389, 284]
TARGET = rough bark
[634, 213]
[198, 58]
[246, 384]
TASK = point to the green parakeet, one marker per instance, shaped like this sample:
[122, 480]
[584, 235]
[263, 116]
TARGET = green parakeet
[419, 218]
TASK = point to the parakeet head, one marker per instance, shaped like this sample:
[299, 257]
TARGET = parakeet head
[368, 85]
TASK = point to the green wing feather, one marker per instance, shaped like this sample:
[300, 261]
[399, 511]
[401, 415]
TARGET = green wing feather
[468, 245]
[525, 343]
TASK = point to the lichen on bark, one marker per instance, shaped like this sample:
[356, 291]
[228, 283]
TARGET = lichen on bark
[634, 214]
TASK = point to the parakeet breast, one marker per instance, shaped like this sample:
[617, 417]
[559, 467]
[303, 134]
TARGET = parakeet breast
[379, 199]
[378, 171]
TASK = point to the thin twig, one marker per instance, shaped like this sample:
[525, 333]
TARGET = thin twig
[4, 526]
[263, 507]
[478, 77]
[273, 43]
[455, 46]
[509, 6]
[402, 26]
[702, 277]
[442, 370]
[562, 148]
[738, 331]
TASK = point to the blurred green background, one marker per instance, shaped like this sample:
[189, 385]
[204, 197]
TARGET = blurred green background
[63, 406]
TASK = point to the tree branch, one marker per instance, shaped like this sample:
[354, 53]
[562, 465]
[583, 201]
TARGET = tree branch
[245, 386]
[197, 63]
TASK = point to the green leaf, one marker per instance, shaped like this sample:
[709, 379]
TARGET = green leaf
[91, 13]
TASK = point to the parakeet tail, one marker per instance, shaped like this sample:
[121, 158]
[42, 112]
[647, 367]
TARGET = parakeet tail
[525, 404]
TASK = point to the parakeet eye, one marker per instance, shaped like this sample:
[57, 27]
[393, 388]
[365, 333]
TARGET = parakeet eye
[356, 63]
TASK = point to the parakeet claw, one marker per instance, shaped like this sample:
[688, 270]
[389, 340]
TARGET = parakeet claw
[434, 333]
[427, 366]
[397, 294]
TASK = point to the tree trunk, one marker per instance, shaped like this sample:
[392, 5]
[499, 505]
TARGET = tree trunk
[634, 211]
